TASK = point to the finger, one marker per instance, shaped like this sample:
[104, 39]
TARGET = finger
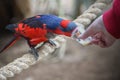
[95, 41]
[102, 44]
[87, 33]
[98, 40]
[99, 43]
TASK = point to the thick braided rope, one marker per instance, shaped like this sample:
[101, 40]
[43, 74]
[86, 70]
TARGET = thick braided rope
[26, 60]
[91, 13]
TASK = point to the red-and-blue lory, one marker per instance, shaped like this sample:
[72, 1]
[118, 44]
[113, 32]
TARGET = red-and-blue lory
[35, 29]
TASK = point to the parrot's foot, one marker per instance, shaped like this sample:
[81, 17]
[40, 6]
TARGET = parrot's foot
[34, 52]
[51, 42]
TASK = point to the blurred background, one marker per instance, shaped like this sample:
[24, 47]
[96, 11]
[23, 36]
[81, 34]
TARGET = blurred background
[79, 63]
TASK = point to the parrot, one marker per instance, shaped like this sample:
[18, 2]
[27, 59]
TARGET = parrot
[35, 29]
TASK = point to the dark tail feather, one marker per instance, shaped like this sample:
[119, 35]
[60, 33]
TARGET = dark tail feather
[10, 43]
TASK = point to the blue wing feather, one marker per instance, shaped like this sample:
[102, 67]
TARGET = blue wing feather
[52, 21]
[32, 22]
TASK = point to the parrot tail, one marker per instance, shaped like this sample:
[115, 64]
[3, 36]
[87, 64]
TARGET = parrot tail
[10, 43]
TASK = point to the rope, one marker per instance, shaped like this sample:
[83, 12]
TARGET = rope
[27, 60]
[92, 13]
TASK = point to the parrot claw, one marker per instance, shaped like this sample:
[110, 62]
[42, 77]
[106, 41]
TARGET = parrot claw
[52, 42]
[33, 51]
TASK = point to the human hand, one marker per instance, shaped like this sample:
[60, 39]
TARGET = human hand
[100, 36]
